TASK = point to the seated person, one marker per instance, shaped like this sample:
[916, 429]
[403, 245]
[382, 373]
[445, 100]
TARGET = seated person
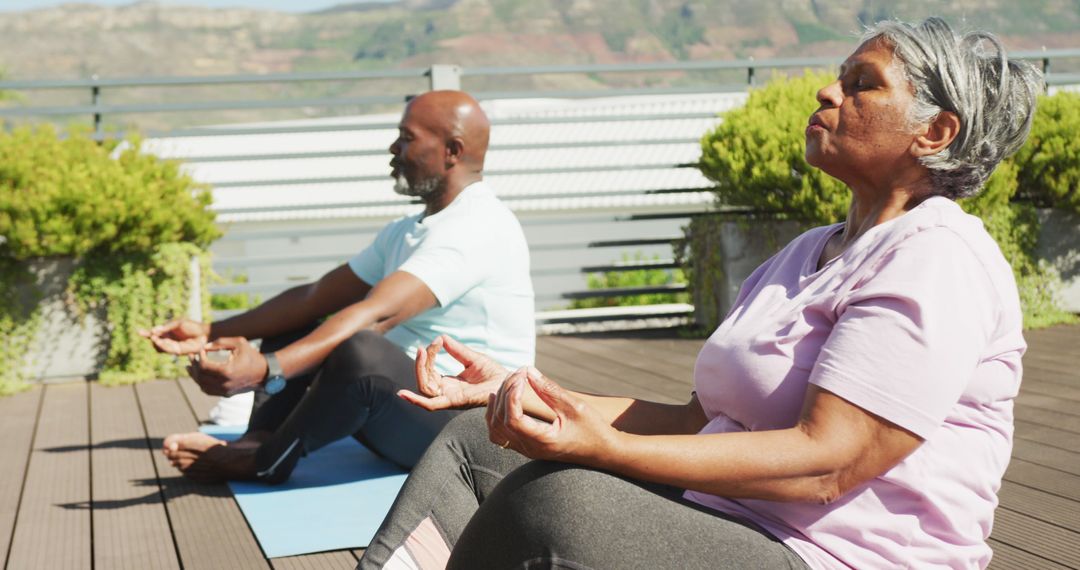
[854, 409]
[460, 267]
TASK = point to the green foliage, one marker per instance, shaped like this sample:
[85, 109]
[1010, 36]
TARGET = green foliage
[137, 291]
[233, 301]
[755, 156]
[19, 320]
[633, 278]
[133, 223]
[69, 197]
[1049, 163]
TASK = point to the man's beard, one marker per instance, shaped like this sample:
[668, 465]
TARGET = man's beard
[422, 189]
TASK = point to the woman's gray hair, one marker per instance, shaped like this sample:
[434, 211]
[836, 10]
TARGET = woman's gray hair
[969, 75]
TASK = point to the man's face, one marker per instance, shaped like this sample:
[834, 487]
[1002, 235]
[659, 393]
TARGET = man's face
[418, 166]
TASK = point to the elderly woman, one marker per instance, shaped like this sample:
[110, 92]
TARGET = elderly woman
[854, 409]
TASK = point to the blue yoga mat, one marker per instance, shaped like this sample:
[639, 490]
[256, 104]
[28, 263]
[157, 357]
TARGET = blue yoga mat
[336, 499]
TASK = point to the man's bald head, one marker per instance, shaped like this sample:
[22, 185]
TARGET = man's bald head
[454, 115]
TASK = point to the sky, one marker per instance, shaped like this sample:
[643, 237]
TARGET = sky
[282, 5]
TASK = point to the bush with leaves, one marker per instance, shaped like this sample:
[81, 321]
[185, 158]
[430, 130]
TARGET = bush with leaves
[756, 159]
[127, 219]
[633, 278]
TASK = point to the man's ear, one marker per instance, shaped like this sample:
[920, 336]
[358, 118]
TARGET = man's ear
[455, 151]
[937, 135]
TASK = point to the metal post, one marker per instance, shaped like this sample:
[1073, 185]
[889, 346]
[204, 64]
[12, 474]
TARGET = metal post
[444, 76]
[1045, 71]
[95, 99]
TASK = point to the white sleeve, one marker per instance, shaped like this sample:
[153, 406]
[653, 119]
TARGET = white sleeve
[370, 264]
[452, 261]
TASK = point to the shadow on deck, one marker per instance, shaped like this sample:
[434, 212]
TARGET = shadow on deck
[82, 486]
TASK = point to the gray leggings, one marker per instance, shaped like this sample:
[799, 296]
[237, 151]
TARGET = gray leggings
[496, 509]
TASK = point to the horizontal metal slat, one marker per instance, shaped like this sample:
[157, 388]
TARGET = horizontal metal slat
[506, 172]
[198, 106]
[238, 131]
[625, 291]
[383, 151]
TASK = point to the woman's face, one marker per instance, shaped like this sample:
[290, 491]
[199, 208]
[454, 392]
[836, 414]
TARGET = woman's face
[860, 133]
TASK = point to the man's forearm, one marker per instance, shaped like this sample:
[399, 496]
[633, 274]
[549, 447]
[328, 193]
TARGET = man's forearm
[285, 312]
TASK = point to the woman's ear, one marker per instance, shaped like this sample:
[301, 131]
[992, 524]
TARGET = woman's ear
[936, 135]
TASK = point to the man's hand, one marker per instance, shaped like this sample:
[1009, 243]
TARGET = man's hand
[242, 372]
[469, 389]
[182, 336]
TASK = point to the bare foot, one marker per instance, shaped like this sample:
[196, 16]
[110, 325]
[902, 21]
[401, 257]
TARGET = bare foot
[207, 459]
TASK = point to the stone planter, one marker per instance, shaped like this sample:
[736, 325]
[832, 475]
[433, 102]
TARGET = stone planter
[724, 250]
[1059, 243]
[67, 345]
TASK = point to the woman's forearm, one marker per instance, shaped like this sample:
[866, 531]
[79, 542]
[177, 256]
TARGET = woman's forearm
[630, 415]
[779, 465]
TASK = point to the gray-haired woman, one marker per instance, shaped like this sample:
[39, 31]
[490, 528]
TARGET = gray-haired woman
[853, 410]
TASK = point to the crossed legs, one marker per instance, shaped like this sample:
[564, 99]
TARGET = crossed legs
[470, 504]
[352, 393]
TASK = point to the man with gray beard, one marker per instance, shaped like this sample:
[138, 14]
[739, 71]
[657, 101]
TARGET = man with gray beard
[336, 352]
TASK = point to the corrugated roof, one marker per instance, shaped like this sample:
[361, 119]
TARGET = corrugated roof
[619, 169]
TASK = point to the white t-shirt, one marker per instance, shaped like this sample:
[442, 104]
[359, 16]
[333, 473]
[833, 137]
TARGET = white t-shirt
[474, 258]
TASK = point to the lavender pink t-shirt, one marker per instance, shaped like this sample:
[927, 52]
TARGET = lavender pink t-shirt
[918, 322]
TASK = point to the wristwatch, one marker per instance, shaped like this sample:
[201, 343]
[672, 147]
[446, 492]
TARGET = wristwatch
[275, 376]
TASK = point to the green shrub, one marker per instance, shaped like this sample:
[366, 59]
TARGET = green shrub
[633, 278]
[1049, 163]
[756, 158]
[69, 197]
[133, 222]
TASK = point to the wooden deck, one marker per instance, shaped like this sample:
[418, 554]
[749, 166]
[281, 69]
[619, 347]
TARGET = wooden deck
[82, 484]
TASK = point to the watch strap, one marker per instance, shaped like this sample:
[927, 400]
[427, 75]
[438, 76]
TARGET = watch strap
[273, 367]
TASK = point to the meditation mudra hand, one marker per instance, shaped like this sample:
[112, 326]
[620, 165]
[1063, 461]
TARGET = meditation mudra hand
[181, 336]
[577, 433]
[481, 377]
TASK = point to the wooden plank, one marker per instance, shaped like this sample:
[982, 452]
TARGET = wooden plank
[200, 403]
[131, 529]
[1058, 420]
[617, 374]
[336, 560]
[210, 531]
[1040, 505]
[1047, 456]
[1048, 403]
[18, 417]
[53, 529]
[1064, 439]
[1008, 557]
[570, 368]
[679, 353]
[1045, 478]
[1049, 541]
[640, 357]
[1053, 390]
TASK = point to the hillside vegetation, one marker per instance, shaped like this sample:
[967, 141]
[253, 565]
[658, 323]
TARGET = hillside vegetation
[146, 38]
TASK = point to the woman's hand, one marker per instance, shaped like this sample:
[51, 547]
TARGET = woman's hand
[578, 433]
[481, 377]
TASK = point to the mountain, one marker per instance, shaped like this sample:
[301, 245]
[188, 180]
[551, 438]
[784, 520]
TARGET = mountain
[146, 38]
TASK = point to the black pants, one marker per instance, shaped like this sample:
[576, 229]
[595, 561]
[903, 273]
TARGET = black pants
[353, 392]
[494, 508]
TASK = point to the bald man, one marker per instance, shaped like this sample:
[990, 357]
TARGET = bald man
[336, 351]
